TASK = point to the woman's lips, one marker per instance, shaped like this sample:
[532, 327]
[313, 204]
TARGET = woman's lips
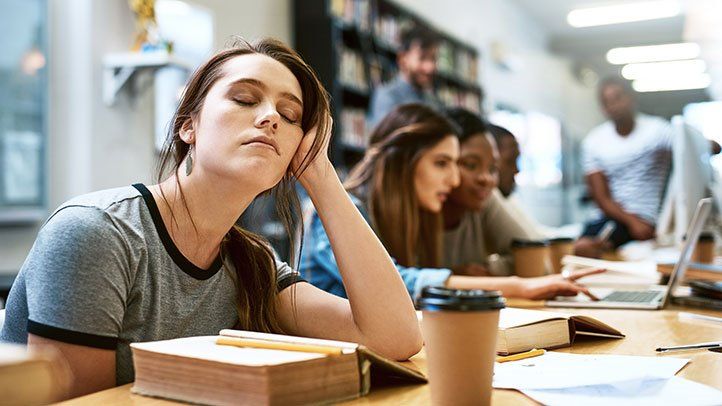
[260, 144]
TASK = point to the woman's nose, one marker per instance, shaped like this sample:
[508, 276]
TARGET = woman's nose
[455, 176]
[268, 117]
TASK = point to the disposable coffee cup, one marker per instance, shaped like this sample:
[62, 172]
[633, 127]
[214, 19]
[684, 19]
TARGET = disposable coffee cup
[460, 329]
[558, 248]
[531, 257]
[704, 250]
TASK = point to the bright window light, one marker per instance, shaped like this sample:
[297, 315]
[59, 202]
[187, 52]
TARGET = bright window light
[672, 83]
[653, 53]
[623, 13]
[663, 70]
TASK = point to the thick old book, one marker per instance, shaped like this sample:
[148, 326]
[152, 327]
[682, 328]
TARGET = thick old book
[199, 370]
[523, 329]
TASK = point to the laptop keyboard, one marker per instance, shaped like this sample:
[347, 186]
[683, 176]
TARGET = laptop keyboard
[643, 296]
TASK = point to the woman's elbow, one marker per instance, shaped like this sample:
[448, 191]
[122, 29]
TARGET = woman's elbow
[401, 347]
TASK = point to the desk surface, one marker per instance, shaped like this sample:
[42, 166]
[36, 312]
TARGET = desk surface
[645, 331]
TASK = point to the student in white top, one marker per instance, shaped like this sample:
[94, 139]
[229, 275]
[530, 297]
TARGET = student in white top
[626, 161]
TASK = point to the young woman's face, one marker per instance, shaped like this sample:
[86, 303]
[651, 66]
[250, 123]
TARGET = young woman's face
[436, 174]
[478, 170]
[250, 124]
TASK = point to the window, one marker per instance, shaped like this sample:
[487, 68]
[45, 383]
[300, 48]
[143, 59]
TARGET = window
[23, 110]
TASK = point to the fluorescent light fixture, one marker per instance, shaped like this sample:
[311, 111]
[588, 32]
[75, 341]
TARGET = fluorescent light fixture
[661, 70]
[674, 83]
[653, 53]
[623, 13]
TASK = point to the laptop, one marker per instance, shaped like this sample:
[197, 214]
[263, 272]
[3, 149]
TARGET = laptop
[652, 297]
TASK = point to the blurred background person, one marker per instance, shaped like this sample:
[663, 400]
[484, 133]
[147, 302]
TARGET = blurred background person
[414, 82]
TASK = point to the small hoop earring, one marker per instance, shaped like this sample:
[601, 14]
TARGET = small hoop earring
[189, 161]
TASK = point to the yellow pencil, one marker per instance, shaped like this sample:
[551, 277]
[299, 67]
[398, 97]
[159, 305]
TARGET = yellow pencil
[521, 355]
[276, 345]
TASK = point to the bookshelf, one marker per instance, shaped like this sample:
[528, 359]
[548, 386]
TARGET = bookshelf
[352, 46]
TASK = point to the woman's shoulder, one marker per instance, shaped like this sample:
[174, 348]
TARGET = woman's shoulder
[103, 199]
[94, 213]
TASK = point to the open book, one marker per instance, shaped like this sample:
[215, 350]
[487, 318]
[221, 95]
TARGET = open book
[523, 329]
[198, 370]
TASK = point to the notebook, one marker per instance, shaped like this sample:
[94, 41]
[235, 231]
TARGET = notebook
[197, 370]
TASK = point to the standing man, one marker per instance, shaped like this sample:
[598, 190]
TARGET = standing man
[626, 162]
[416, 59]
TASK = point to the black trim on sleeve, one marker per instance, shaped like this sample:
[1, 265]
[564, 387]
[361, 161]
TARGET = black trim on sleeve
[289, 280]
[72, 337]
[183, 263]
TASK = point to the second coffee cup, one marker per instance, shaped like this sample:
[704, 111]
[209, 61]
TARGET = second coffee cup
[559, 247]
[531, 257]
[460, 330]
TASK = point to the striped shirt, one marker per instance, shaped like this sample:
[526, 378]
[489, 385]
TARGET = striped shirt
[636, 166]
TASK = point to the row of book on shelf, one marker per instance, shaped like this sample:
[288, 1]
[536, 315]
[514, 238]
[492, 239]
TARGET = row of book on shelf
[387, 28]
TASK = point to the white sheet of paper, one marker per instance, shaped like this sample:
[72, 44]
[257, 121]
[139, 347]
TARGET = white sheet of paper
[555, 370]
[672, 391]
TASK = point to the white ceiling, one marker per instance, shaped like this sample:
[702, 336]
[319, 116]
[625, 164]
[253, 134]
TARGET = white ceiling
[588, 46]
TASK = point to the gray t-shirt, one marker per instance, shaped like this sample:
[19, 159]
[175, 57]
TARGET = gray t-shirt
[104, 273]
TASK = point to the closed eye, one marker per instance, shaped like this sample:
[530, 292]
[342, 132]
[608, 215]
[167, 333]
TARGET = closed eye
[245, 102]
[289, 119]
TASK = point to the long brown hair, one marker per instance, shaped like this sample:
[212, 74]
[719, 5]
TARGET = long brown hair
[385, 179]
[249, 253]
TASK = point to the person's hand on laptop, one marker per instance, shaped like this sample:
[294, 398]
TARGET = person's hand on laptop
[551, 286]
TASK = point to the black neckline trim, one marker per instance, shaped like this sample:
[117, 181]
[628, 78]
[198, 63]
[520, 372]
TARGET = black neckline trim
[183, 263]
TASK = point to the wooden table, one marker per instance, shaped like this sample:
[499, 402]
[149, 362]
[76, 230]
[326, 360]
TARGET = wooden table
[645, 331]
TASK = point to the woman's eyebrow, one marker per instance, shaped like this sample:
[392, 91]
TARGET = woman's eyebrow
[257, 83]
[444, 156]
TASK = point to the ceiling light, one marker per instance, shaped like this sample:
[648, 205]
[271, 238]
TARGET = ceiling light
[667, 84]
[661, 70]
[623, 13]
[653, 53]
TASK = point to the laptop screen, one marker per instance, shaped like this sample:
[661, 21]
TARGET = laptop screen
[693, 231]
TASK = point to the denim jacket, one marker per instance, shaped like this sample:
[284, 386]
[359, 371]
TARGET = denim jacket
[318, 266]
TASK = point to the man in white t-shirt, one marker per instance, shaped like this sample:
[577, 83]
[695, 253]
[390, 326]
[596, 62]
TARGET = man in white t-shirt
[626, 162]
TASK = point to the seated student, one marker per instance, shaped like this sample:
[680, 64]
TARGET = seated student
[477, 221]
[401, 184]
[165, 261]
[508, 155]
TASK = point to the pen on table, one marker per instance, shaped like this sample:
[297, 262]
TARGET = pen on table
[685, 315]
[521, 355]
[275, 345]
[690, 346]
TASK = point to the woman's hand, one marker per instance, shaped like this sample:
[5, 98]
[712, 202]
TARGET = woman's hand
[321, 165]
[550, 286]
